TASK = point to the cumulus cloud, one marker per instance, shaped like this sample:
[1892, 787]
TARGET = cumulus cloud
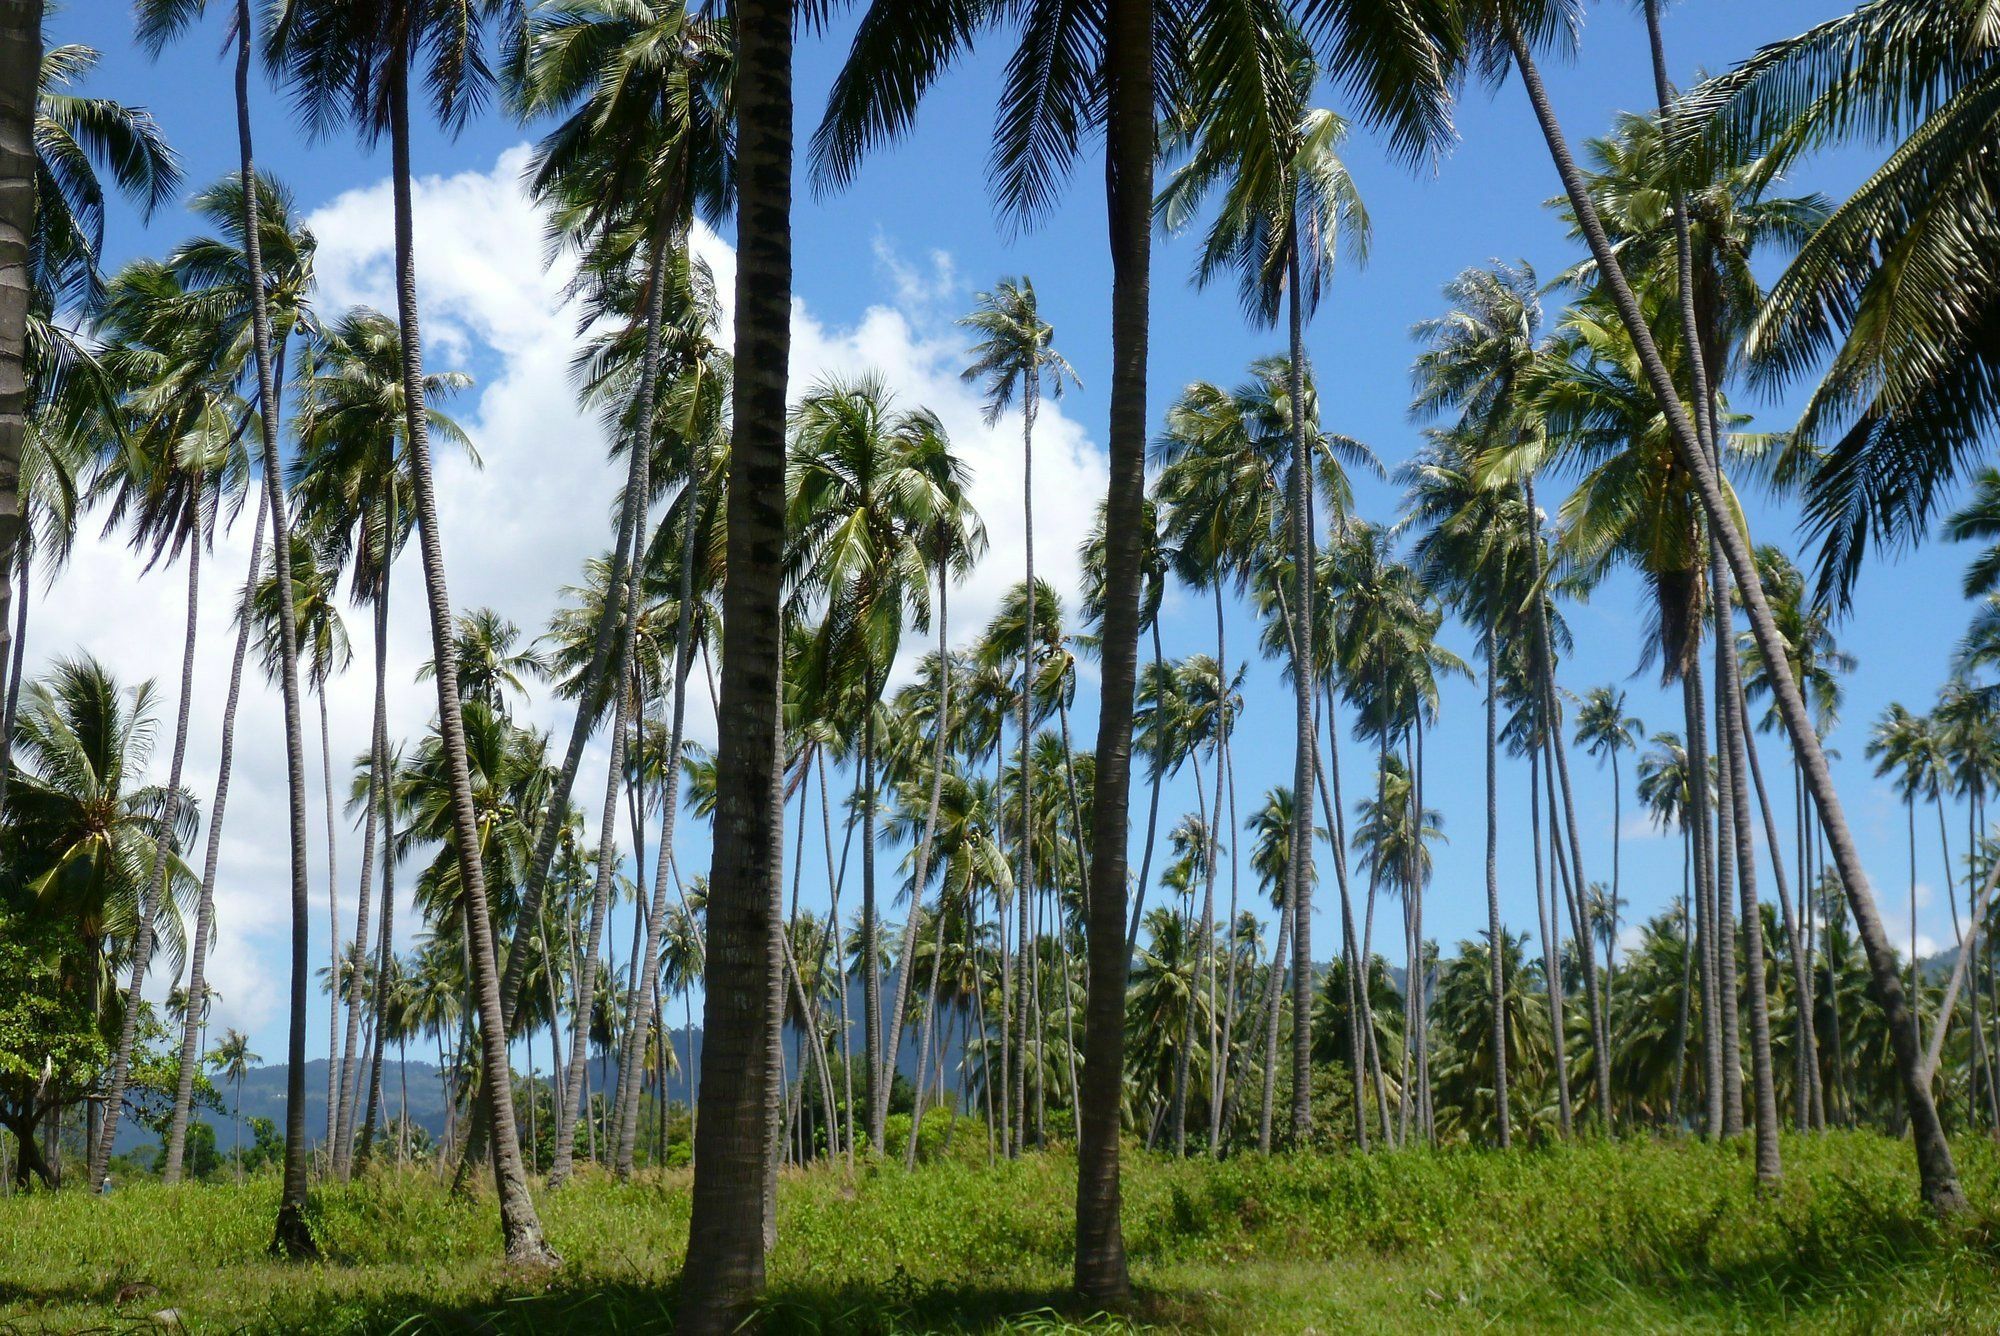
[515, 530]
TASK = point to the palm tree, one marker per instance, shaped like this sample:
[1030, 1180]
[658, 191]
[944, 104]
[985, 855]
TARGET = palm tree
[213, 274]
[180, 448]
[1494, 34]
[1016, 355]
[1471, 550]
[1604, 729]
[1286, 198]
[862, 506]
[644, 149]
[1666, 788]
[732, 1212]
[232, 1059]
[1905, 745]
[354, 497]
[358, 65]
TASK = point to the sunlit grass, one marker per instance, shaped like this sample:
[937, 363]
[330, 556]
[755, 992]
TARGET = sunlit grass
[1636, 1236]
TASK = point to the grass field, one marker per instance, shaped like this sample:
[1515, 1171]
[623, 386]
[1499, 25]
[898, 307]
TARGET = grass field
[1633, 1237]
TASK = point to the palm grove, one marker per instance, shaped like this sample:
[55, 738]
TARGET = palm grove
[787, 553]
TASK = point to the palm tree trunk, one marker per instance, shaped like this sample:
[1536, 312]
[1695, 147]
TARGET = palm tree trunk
[1805, 1063]
[1495, 941]
[1024, 946]
[1551, 962]
[1726, 943]
[628, 1088]
[520, 1226]
[1361, 1034]
[1305, 731]
[1152, 814]
[1937, 1172]
[166, 852]
[15, 656]
[291, 1238]
[20, 90]
[741, 1009]
[204, 914]
[385, 947]
[377, 792]
[1763, 1082]
[334, 1088]
[1274, 995]
[922, 870]
[1100, 1247]
[1701, 831]
[1687, 970]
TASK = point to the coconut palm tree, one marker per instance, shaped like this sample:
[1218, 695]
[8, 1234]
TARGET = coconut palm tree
[1494, 36]
[213, 274]
[1015, 355]
[358, 65]
[1604, 729]
[232, 1060]
[177, 461]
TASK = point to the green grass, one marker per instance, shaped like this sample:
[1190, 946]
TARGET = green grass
[1633, 1237]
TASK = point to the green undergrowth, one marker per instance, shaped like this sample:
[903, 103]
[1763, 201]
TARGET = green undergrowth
[1635, 1235]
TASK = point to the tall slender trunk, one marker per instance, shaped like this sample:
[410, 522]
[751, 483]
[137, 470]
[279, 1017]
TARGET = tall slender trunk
[20, 90]
[1495, 937]
[1937, 1173]
[1763, 1081]
[1024, 943]
[377, 795]
[1702, 830]
[1298, 486]
[726, 1233]
[204, 914]
[15, 656]
[385, 945]
[1805, 1056]
[1551, 961]
[520, 1226]
[334, 1088]
[875, 1062]
[1128, 167]
[1729, 1021]
[628, 1088]
[1600, 1031]
[925, 841]
[1274, 996]
[291, 1238]
[1159, 768]
[159, 878]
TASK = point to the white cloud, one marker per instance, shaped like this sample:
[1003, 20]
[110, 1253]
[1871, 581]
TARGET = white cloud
[514, 531]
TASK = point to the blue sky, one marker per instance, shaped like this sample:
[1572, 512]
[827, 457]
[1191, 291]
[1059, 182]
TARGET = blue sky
[882, 269]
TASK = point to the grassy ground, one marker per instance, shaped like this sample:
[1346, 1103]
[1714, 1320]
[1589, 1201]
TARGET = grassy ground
[1636, 1237]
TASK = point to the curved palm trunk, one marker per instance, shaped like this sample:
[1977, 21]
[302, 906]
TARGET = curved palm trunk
[726, 1235]
[204, 915]
[520, 1226]
[335, 1153]
[1100, 1245]
[1936, 1170]
[1495, 939]
[158, 878]
[20, 87]
[1729, 1020]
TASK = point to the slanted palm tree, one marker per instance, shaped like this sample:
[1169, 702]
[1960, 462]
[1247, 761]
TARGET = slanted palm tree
[358, 64]
[644, 149]
[1495, 35]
